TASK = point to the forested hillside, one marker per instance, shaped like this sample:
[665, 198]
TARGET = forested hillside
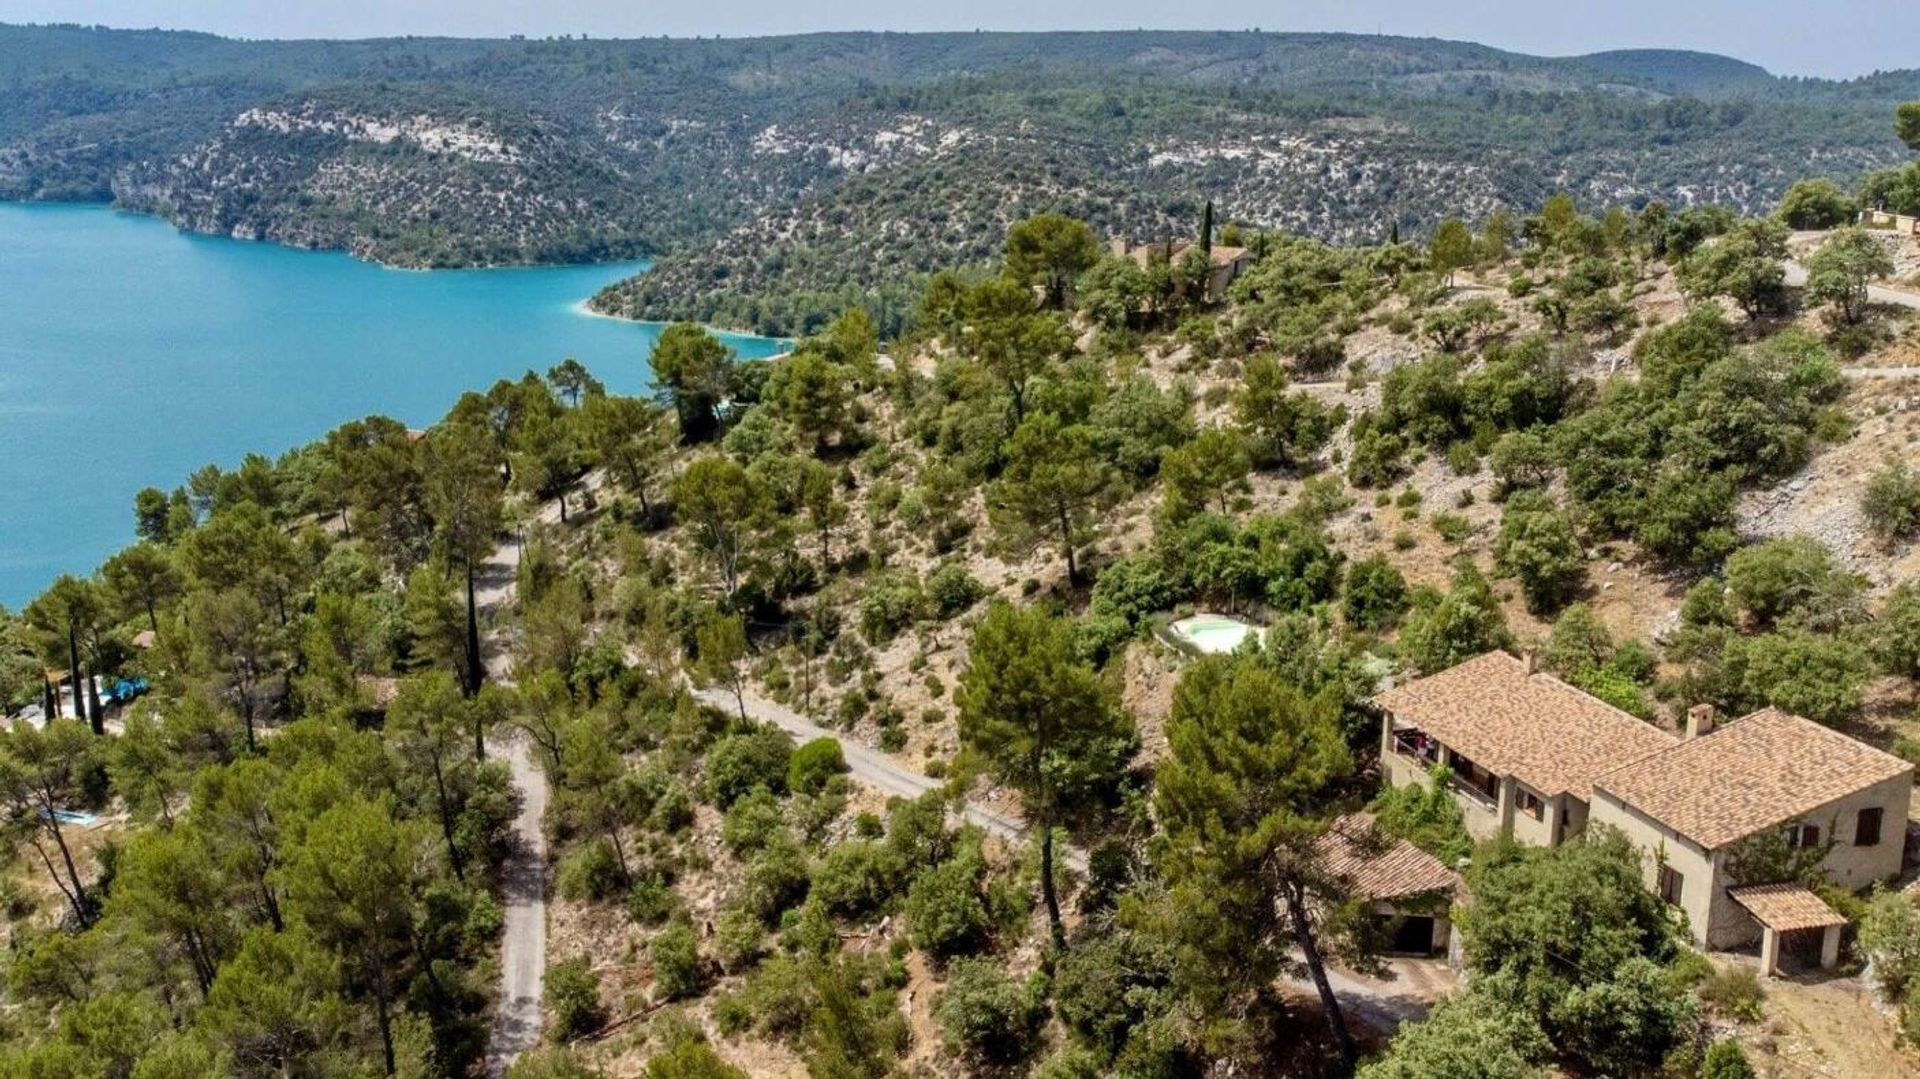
[778, 177]
[276, 841]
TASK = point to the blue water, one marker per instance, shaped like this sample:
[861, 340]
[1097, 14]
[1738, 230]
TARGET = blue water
[132, 353]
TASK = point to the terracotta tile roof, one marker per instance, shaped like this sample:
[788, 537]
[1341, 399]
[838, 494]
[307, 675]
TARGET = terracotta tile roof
[1380, 866]
[1551, 736]
[1786, 907]
[1220, 255]
[1768, 769]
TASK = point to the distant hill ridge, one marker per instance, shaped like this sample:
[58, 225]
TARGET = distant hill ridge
[780, 177]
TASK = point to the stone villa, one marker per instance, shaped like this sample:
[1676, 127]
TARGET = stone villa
[1224, 263]
[1536, 758]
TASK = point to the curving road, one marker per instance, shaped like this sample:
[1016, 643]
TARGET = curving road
[880, 771]
[1381, 1005]
[523, 937]
[1797, 277]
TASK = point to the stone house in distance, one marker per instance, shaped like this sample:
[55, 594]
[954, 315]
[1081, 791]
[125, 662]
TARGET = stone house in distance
[1536, 758]
[1225, 263]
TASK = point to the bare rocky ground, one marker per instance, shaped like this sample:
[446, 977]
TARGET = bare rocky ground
[1818, 1027]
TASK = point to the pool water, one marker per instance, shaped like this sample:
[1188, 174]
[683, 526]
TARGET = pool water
[1213, 634]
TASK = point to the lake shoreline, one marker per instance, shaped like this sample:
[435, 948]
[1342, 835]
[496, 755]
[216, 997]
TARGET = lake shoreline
[117, 206]
[205, 348]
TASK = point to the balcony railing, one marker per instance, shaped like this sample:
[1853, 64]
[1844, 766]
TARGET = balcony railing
[1417, 746]
[1487, 799]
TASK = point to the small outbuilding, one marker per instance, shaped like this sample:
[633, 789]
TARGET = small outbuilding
[1410, 892]
[1791, 914]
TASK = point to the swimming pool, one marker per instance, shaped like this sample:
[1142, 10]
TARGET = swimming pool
[1213, 634]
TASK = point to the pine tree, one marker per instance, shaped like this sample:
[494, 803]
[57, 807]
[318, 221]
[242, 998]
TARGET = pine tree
[1044, 721]
[1243, 803]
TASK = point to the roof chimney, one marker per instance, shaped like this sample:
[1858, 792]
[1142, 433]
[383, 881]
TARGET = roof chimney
[1699, 720]
[1530, 659]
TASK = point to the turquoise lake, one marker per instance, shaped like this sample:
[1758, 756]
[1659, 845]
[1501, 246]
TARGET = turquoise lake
[132, 353]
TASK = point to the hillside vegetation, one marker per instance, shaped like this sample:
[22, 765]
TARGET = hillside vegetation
[1594, 433]
[779, 178]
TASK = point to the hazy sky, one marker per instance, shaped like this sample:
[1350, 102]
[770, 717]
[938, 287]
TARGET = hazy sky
[1835, 38]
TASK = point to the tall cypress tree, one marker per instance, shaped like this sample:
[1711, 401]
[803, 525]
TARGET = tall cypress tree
[1206, 228]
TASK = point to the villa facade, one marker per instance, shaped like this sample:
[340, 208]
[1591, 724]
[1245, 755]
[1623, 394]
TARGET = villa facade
[1537, 759]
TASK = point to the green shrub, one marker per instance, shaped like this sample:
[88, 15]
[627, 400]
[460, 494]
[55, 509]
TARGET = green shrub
[1726, 1060]
[1891, 502]
[673, 810]
[752, 821]
[989, 1016]
[678, 971]
[1109, 986]
[651, 901]
[890, 605]
[688, 1056]
[776, 879]
[1451, 527]
[813, 764]
[737, 938]
[1890, 938]
[952, 589]
[854, 877]
[1375, 595]
[738, 763]
[1466, 1035]
[944, 911]
[590, 872]
[573, 996]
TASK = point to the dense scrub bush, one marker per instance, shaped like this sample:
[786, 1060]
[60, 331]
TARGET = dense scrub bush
[813, 764]
[890, 605]
[1791, 580]
[1891, 502]
[1814, 204]
[854, 878]
[951, 589]
[591, 872]
[1375, 595]
[1109, 986]
[651, 900]
[1467, 1036]
[753, 820]
[738, 938]
[1537, 545]
[573, 996]
[1132, 589]
[1661, 459]
[944, 909]
[1137, 422]
[1378, 456]
[678, 969]
[990, 1016]
[1445, 629]
[776, 880]
[738, 763]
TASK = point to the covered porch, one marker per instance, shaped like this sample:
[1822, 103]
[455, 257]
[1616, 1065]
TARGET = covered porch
[1490, 802]
[1791, 914]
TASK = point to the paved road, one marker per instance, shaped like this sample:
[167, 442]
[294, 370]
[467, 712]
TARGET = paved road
[1797, 276]
[879, 770]
[523, 937]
